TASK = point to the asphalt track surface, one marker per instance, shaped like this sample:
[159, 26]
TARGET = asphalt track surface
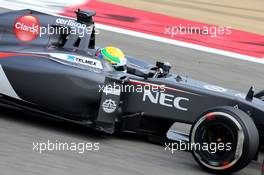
[119, 154]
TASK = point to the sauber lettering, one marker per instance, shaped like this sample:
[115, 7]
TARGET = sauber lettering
[165, 100]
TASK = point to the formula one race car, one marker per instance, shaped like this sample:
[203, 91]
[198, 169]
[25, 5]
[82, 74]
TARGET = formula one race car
[56, 75]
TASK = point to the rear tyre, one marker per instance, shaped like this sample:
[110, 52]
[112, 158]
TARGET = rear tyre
[228, 140]
[262, 168]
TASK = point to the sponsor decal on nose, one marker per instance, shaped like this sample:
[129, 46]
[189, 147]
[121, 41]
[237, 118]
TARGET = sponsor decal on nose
[27, 28]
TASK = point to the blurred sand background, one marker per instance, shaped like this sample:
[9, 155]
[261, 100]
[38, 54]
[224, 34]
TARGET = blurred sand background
[246, 15]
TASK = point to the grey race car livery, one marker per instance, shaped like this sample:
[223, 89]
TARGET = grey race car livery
[57, 75]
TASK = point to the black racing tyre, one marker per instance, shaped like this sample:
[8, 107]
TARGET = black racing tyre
[262, 168]
[224, 140]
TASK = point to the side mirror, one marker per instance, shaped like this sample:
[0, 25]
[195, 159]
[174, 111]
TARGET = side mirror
[250, 94]
[166, 67]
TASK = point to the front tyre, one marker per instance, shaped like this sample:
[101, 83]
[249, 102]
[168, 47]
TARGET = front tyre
[224, 140]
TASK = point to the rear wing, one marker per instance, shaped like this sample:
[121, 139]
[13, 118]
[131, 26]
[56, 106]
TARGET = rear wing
[33, 28]
[85, 16]
[86, 38]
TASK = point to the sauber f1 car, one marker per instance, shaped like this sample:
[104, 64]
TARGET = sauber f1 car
[57, 75]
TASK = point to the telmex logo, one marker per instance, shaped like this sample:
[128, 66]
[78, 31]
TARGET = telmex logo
[81, 60]
[165, 100]
[27, 28]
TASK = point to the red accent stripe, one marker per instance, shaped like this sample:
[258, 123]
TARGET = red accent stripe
[4, 54]
[144, 84]
[159, 86]
[226, 165]
[153, 23]
[10, 54]
[210, 116]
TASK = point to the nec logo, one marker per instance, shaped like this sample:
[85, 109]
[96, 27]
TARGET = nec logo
[165, 100]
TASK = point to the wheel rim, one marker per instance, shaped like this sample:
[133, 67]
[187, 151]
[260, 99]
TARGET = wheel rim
[217, 133]
[205, 131]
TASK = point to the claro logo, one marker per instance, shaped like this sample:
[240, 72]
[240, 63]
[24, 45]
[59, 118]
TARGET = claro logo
[165, 100]
[27, 28]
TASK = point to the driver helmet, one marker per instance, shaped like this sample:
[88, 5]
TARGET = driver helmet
[114, 56]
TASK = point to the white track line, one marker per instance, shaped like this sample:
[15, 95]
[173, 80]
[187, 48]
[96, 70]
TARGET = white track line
[19, 6]
[181, 43]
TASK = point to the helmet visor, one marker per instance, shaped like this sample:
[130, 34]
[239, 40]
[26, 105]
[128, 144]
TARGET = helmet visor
[121, 68]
